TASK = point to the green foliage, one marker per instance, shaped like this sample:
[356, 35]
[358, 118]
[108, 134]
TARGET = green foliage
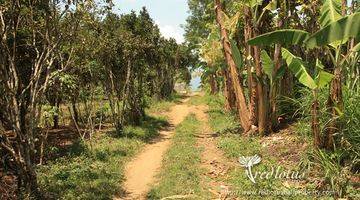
[222, 120]
[323, 78]
[268, 64]
[236, 54]
[272, 6]
[350, 135]
[181, 173]
[94, 174]
[341, 29]
[231, 23]
[333, 167]
[330, 12]
[284, 36]
[297, 67]
[94, 170]
[253, 3]
[331, 170]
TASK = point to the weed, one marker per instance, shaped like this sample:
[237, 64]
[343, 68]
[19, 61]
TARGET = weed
[181, 171]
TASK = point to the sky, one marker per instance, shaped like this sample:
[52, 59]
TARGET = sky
[169, 15]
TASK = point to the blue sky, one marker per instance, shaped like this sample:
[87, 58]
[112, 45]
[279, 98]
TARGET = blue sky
[168, 14]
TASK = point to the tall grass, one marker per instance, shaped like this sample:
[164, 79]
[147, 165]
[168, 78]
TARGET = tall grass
[94, 169]
[335, 167]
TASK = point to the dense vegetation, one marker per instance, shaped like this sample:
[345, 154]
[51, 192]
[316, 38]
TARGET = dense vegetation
[78, 63]
[280, 62]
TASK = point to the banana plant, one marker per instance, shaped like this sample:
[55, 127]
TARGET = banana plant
[298, 67]
[335, 31]
[268, 67]
[274, 76]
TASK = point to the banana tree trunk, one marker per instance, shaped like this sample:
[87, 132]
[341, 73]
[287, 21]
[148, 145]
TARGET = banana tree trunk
[230, 99]
[315, 127]
[239, 91]
[287, 83]
[276, 83]
[343, 7]
[262, 95]
[274, 89]
[335, 105]
[253, 104]
[335, 102]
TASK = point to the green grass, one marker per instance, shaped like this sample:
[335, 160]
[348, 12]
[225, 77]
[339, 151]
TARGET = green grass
[94, 170]
[235, 145]
[159, 106]
[148, 129]
[199, 99]
[334, 168]
[181, 166]
[94, 174]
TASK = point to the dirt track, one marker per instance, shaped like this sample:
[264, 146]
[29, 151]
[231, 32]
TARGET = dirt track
[142, 170]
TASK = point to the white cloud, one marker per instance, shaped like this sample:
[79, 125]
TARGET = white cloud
[169, 31]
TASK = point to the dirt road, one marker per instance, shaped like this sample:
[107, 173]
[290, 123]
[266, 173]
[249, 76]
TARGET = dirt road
[140, 173]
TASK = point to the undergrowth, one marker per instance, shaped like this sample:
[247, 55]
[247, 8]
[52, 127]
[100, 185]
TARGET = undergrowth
[159, 106]
[94, 169]
[336, 170]
[235, 145]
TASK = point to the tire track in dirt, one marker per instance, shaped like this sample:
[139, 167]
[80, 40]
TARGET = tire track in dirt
[212, 159]
[141, 172]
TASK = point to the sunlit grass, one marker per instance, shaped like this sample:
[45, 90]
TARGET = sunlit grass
[181, 170]
[235, 145]
[161, 106]
[94, 173]
[94, 169]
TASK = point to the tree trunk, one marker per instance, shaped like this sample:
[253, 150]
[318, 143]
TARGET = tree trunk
[56, 114]
[274, 89]
[239, 91]
[287, 83]
[24, 152]
[335, 104]
[28, 181]
[335, 101]
[262, 95]
[253, 104]
[76, 114]
[213, 85]
[343, 7]
[315, 127]
[6, 124]
[230, 99]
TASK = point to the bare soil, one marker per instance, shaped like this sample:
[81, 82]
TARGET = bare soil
[140, 173]
[214, 163]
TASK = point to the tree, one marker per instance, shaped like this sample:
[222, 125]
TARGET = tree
[30, 44]
[238, 88]
[331, 36]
